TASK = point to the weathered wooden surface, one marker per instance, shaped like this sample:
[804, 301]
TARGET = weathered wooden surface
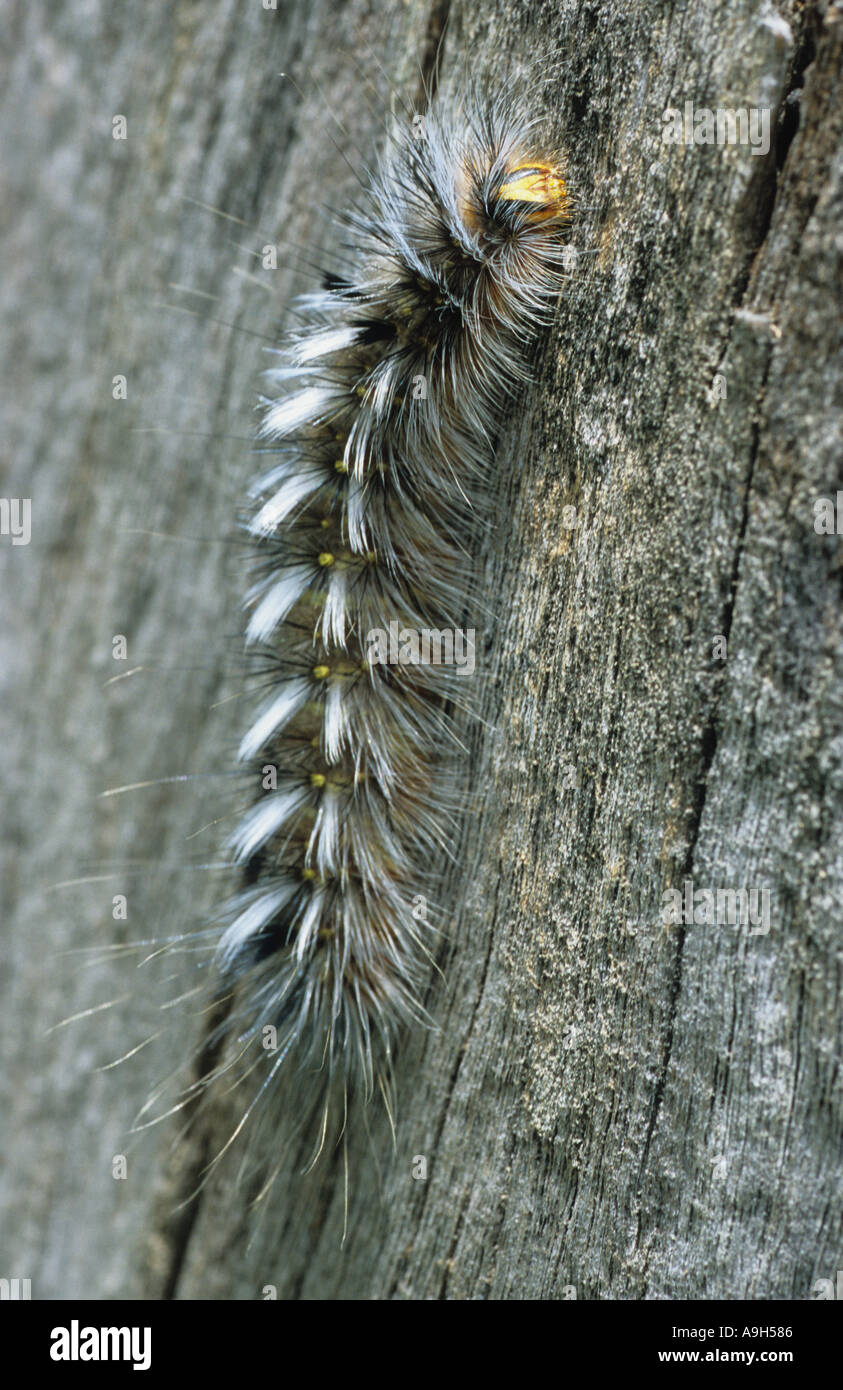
[610, 1103]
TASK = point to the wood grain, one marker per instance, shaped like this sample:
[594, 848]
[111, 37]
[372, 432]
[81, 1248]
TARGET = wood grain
[608, 1104]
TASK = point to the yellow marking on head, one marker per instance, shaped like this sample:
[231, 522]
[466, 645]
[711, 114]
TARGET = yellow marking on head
[321, 672]
[341, 466]
[539, 184]
[326, 558]
[318, 779]
[309, 874]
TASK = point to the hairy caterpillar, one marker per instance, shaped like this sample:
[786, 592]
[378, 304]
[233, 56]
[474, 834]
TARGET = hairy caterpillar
[391, 393]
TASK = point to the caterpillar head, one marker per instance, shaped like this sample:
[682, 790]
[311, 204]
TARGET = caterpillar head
[537, 190]
[507, 195]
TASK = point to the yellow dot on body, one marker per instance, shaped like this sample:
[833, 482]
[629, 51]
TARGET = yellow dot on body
[326, 558]
[318, 779]
[309, 874]
[320, 672]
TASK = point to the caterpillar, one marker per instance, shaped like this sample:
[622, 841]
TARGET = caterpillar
[380, 428]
